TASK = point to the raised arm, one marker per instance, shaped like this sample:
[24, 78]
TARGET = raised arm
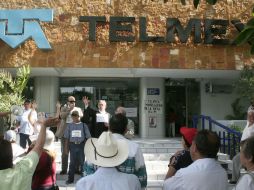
[42, 135]
[58, 110]
[3, 114]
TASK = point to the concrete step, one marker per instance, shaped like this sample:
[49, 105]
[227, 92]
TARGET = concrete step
[157, 153]
[167, 145]
[157, 156]
[149, 143]
[157, 165]
[161, 149]
[155, 184]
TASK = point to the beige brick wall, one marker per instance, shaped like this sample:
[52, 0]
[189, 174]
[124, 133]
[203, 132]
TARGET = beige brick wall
[71, 47]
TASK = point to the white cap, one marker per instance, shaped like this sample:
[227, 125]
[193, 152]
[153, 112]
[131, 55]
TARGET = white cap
[10, 136]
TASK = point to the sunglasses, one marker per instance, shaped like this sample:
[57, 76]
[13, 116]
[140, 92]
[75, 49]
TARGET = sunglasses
[72, 101]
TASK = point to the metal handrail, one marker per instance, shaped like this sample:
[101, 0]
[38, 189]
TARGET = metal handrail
[230, 139]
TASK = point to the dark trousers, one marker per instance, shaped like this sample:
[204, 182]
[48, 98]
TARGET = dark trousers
[77, 156]
[23, 138]
[64, 156]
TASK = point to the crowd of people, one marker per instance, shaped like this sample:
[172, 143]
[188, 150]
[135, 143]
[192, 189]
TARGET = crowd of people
[113, 160]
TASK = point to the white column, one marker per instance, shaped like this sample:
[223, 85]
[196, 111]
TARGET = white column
[46, 93]
[152, 108]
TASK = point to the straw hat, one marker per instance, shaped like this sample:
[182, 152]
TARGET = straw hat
[106, 151]
[49, 141]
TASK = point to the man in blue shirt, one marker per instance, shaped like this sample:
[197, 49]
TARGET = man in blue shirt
[75, 134]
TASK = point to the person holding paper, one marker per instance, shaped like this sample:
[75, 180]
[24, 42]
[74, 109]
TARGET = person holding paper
[102, 118]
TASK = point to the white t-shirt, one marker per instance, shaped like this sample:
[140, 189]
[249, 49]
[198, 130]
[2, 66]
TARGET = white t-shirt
[109, 179]
[246, 182]
[248, 131]
[25, 126]
[202, 174]
[17, 150]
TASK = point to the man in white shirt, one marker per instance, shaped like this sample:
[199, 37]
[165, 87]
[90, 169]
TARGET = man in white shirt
[102, 118]
[107, 152]
[70, 108]
[247, 132]
[205, 173]
[71, 104]
[26, 128]
[20, 176]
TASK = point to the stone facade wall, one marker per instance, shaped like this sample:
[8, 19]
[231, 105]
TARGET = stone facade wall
[71, 47]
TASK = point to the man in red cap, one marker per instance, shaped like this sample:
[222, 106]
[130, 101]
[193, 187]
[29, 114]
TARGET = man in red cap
[182, 159]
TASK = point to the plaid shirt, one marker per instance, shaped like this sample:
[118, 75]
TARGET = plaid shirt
[133, 165]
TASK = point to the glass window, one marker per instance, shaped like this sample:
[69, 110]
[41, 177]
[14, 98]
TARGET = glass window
[116, 92]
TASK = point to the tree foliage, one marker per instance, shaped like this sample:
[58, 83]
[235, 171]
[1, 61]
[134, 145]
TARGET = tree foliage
[11, 88]
[245, 84]
[247, 34]
[238, 111]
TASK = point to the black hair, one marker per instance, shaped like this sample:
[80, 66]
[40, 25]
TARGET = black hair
[27, 101]
[6, 155]
[207, 143]
[118, 124]
[186, 142]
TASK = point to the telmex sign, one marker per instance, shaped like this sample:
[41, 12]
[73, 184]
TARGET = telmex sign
[17, 26]
[212, 28]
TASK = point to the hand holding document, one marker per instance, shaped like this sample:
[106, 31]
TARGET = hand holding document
[102, 118]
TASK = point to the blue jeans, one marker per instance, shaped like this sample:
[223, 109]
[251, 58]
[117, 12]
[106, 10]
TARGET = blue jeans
[23, 138]
[77, 156]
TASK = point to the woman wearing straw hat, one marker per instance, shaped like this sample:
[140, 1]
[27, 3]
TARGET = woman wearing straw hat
[45, 173]
[107, 153]
[20, 176]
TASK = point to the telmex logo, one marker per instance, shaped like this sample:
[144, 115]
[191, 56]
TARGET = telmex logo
[17, 26]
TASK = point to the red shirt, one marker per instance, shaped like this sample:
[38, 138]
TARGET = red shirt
[43, 175]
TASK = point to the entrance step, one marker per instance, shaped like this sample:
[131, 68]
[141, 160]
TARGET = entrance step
[155, 185]
[169, 145]
[157, 153]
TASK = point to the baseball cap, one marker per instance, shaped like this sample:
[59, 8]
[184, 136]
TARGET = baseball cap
[10, 135]
[75, 113]
[188, 133]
